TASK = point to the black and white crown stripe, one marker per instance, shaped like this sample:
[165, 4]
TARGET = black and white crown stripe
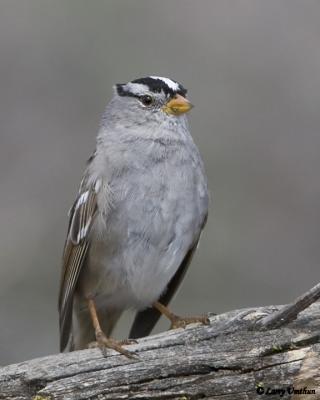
[155, 84]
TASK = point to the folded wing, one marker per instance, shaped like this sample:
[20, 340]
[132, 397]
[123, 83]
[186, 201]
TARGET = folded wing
[81, 217]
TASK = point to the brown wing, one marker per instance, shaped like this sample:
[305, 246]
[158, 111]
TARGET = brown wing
[76, 247]
[145, 320]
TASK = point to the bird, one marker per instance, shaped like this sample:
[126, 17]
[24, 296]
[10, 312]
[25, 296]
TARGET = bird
[137, 219]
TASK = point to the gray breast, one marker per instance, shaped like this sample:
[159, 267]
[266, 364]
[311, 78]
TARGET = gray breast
[159, 205]
[162, 194]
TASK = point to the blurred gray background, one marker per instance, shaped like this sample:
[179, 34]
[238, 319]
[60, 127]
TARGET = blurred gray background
[252, 70]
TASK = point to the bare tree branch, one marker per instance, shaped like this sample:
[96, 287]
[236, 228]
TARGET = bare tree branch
[228, 360]
[290, 312]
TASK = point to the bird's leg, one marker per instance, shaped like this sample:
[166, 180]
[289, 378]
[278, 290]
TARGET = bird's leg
[179, 322]
[102, 340]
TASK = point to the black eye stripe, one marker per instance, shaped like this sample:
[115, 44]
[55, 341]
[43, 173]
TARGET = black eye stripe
[122, 92]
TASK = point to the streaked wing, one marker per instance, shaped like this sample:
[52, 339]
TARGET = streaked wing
[82, 215]
[145, 320]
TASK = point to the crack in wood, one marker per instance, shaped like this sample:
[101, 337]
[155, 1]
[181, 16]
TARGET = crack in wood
[194, 363]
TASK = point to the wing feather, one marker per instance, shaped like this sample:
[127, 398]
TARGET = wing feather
[81, 216]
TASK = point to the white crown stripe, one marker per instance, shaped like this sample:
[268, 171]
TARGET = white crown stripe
[172, 85]
[136, 88]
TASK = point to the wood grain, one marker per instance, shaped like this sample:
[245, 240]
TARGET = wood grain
[227, 360]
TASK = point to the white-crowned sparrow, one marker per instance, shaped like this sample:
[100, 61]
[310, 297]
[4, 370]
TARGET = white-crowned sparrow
[137, 220]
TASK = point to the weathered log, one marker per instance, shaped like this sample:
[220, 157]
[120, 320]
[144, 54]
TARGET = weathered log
[229, 359]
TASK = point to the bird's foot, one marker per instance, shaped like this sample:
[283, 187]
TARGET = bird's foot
[104, 343]
[128, 341]
[176, 320]
[182, 322]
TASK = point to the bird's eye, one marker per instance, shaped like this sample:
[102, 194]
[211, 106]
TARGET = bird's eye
[146, 100]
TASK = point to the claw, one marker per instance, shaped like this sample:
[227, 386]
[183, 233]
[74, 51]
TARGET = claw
[128, 341]
[104, 342]
[179, 322]
[182, 322]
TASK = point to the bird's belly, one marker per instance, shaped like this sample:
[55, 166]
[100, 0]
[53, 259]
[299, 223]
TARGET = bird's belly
[126, 284]
[148, 234]
[136, 271]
